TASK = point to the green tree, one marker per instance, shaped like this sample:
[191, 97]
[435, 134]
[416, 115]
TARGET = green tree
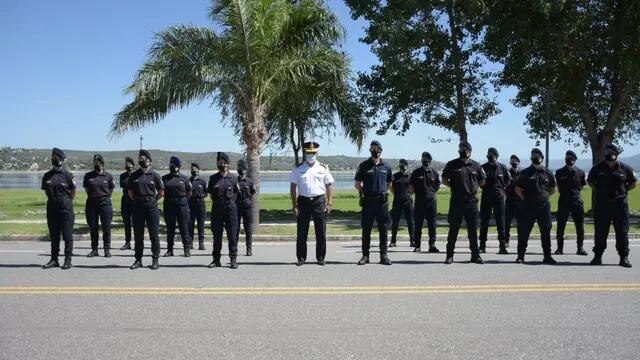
[585, 52]
[258, 48]
[431, 66]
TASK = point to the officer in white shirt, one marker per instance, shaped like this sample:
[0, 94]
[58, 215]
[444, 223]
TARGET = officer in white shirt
[310, 181]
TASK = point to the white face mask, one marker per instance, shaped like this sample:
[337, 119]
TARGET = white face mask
[310, 158]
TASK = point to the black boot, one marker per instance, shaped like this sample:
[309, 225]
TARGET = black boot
[67, 264]
[581, 251]
[187, 252]
[107, 253]
[624, 262]
[384, 260]
[300, 262]
[392, 243]
[136, 264]
[412, 243]
[363, 260]
[483, 247]
[154, 265]
[249, 252]
[476, 259]
[51, 264]
[559, 251]
[191, 245]
[215, 263]
[597, 259]
[168, 253]
[321, 262]
[549, 260]
[234, 264]
[433, 248]
[520, 259]
[417, 249]
[126, 246]
[503, 249]
[201, 245]
[448, 260]
[93, 253]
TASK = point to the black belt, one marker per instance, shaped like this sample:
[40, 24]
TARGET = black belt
[312, 198]
[146, 198]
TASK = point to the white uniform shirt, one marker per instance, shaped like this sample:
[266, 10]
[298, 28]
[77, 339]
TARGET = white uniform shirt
[311, 180]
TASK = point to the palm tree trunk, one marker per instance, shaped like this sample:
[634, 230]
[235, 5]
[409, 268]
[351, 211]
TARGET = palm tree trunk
[455, 58]
[254, 133]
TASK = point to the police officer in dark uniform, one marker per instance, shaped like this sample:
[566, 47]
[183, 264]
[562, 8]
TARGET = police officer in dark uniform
[145, 189]
[425, 183]
[513, 201]
[534, 186]
[373, 181]
[126, 204]
[177, 189]
[197, 207]
[611, 181]
[244, 204]
[493, 199]
[402, 203]
[60, 187]
[99, 185]
[223, 187]
[570, 180]
[464, 176]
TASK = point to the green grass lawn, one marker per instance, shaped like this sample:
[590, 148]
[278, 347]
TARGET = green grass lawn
[30, 205]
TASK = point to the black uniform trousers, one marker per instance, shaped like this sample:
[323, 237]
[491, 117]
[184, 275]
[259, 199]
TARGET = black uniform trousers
[375, 208]
[224, 217]
[425, 210]
[401, 207]
[146, 212]
[460, 208]
[60, 219]
[492, 202]
[529, 215]
[510, 213]
[576, 208]
[99, 208]
[126, 210]
[177, 209]
[198, 212]
[311, 208]
[614, 211]
[246, 215]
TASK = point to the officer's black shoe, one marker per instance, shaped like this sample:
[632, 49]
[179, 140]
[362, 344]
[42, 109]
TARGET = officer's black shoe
[187, 252]
[506, 243]
[249, 252]
[482, 250]
[321, 261]
[363, 260]
[392, 244]
[433, 249]
[624, 262]
[300, 262]
[476, 259]
[201, 245]
[67, 264]
[126, 246]
[412, 243]
[154, 265]
[597, 260]
[214, 263]
[233, 264]
[448, 260]
[520, 260]
[559, 252]
[51, 264]
[503, 251]
[581, 251]
[191, 246]
[549, 260]
[93, 253]
[417, 250]
[384, 260]
[136, 264]
[168, 253]
[107, 253]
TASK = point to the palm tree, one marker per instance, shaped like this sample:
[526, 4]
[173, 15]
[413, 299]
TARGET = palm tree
[261, 47]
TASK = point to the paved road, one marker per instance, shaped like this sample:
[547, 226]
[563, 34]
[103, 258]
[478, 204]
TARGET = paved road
[418, 308]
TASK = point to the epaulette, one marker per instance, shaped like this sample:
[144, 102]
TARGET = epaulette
[324, 165]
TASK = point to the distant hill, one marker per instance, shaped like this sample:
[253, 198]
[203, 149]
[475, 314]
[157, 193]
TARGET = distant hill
[18, 159]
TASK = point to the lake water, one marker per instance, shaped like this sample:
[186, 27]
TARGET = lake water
[272, 183]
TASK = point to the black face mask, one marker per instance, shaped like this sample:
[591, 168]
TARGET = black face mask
[56, 162]
[222, 167]
[426, 163]
[143, 163]
[174, 169]
[569, 162]
[242, 172]
[97, 167]
[491, 158]
[403, 167]
[611, 157]
[375, 154]
[536, 160]
[464, 154]
[514, 165]
[128, 167]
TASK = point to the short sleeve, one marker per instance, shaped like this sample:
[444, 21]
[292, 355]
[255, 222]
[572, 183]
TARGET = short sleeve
[253, 189]
[591, 178]
[112, 183]
[360, 173]
[552, 179]
[328, 178]
[521, 180]
[631, 176]
[412, 178]
[389, 175]
[506, 174]
[583, 182]
[188, 185]
[293, 177]
[85, 180]
[481, 174]
[159, 182]
[44, 182]
[210, 185]
[446, 173]
[71, 181]
[436, 175]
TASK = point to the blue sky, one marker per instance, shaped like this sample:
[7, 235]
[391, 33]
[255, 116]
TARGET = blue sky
[65, 63]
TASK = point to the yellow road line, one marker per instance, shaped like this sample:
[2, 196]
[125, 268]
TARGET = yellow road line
[344, 290]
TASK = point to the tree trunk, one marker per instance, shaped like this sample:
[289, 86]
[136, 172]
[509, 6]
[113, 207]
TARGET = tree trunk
[254, 133]
[253, 163]
[598, 147]
[294, 145]
[457, 69]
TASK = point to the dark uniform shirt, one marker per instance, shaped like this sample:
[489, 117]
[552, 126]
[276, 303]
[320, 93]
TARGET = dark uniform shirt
[98, 185]
[246, 191]
[498, 178]
[514, 174]
[611, 183]
[464, 177]
[198, 188]
[176, 186]
[570, 182]
[374, 177]
[425, 182]
[223, 189]
[58, 183]
[124, 181]
[537, 184]
[401, 186]
[145, 185]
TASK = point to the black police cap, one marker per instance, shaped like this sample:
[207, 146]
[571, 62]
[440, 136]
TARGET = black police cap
[98, 158]
[59, 152]
[493, 151]
[145, 153]
[129, 160]
[466, 145]
[195, 165]
[376, 143]
[175, 160]
[404, 162]
[537, 151]
[427, 155]
[571, 153]
[515, 157]
[222, 156]
[242, 164]
[614, 148]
